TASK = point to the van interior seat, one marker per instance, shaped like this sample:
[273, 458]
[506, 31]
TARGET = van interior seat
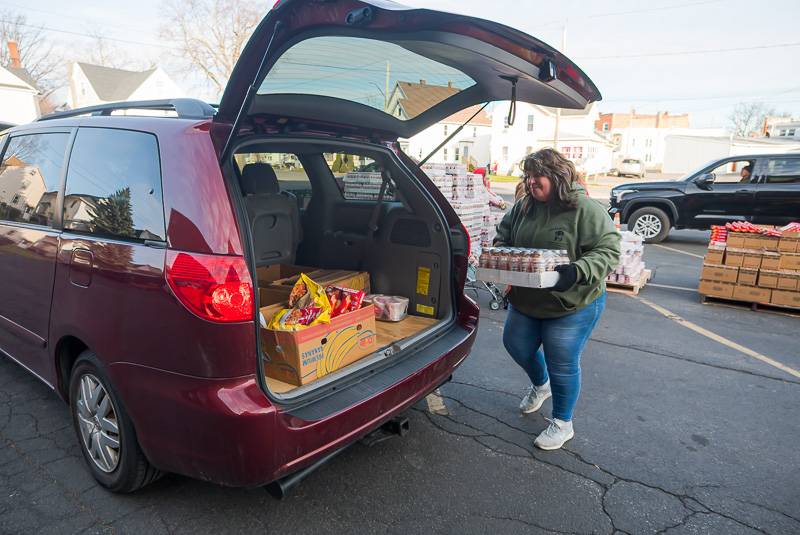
[274, 217]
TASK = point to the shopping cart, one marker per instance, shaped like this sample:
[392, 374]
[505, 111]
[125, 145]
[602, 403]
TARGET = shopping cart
[495, 293]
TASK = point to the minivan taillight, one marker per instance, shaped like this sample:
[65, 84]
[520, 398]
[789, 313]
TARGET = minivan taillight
[216, 288]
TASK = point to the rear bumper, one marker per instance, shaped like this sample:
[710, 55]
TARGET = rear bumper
[227, 432]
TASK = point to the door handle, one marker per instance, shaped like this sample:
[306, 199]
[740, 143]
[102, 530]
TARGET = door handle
[743, 191]
[80, 267]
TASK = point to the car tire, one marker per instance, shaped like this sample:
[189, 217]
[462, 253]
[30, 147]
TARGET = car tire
[650, 223]
[104, 430]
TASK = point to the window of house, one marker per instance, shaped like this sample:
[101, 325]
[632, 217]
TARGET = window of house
[30, 177]
[445, 154]
[782, 132]
[457, 155]
[420, 154]
[566, 151]
[474, 131]
[791, 132]
[505, 153]
[783, 171]
[577, 153]
[466, 153]
[606, 127]
[114, 185]
[445, 130]
[530, 123]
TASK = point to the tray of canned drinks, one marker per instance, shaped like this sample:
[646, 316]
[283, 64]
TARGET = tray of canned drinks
[518, 266]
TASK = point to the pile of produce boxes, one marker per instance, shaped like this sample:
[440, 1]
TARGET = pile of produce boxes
[753, 264]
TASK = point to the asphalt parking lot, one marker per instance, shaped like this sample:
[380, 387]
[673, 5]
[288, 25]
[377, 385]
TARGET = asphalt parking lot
[676, 432]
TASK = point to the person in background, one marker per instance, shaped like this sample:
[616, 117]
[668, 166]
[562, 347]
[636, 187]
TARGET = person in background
[747, 170]
[546, 329]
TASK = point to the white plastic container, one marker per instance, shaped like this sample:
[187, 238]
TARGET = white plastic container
[541, 279]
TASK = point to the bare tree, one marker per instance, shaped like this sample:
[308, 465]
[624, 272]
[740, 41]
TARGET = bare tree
[37, 53]
[210, 34]
[106, 54]
[748, 117]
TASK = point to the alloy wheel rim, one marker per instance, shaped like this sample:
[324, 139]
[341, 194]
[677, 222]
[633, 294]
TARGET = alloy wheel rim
[99, 427]
[648, 226]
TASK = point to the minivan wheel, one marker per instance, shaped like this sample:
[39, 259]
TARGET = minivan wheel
[650, 223]
[104, 430]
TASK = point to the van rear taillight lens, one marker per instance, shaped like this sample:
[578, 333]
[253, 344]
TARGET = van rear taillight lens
[216, 288]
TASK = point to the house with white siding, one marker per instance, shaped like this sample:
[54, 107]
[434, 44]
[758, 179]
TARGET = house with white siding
[90, 85]
[19, 98]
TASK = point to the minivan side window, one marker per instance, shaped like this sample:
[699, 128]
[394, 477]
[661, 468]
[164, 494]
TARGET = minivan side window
[783, 171]
[30, 178]
[114, 185]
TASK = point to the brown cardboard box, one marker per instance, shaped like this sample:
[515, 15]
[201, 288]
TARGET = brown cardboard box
[715, 256]
[786, 299]
[752, 259]
[770, 243]
[748, 277]
[734, 257]
[789, 245]
[771, 261]
[716, 289]
[720, 273]
[768, 279]
[788, 280]
[790, 261]
[753, 241]
[752, 294]
[330, 277]
[736, 239]
[304, 356]
[268, 275]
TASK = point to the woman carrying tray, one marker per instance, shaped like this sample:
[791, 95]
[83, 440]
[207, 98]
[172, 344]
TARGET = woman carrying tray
[547, 329]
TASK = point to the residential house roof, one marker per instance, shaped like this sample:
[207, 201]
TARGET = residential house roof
[114, 84]
[24, 75]
[15, 80]
[461, 117]
[420, 97]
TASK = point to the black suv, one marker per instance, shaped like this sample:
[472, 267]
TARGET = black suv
[763, 189]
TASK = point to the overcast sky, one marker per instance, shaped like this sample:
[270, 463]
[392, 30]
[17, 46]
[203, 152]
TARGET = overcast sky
[660, 55]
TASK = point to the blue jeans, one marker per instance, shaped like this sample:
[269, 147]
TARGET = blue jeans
[551, 349]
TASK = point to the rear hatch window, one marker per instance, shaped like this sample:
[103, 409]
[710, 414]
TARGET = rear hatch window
[378, 74]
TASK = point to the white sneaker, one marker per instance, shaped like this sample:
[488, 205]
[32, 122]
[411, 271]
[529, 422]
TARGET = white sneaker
[556, 434]
[533, 400]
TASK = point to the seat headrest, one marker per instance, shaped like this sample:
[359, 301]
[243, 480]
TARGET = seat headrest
[259, 179]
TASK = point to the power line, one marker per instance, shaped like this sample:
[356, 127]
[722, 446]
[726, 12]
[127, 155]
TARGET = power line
[81, 34]
[690, 52]
[65, 15]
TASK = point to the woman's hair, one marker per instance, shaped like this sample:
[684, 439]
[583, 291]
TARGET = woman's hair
[560, 171]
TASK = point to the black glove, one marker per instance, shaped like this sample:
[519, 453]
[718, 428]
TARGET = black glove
[568, 276]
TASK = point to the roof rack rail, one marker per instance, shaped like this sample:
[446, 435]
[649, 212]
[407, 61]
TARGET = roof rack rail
[186, 108]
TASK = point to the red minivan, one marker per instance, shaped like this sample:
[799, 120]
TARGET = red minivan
[130, 237]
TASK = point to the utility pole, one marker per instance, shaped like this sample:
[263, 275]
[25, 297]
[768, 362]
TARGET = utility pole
[386, 94]
[558, 110]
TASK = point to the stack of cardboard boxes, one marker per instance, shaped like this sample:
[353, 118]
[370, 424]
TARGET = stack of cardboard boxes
[754, 268]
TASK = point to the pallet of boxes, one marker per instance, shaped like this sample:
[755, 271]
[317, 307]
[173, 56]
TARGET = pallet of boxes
[467, 195]
[754, 265]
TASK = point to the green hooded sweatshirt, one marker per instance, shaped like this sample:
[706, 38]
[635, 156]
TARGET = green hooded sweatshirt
[588, 235]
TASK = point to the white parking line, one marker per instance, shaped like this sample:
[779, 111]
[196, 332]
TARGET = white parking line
[674, 250]
[717, 338]
[693, 290]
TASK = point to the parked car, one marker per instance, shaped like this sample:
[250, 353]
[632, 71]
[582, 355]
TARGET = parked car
[138, 304]
[631, 167]
[762, 189]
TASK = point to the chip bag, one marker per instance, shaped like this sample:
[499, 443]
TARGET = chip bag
[309, 306]
[344, 300]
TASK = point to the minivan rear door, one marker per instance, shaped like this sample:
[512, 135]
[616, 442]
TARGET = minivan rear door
[377, 68]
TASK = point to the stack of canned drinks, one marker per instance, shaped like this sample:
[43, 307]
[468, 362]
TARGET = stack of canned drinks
[522, 260]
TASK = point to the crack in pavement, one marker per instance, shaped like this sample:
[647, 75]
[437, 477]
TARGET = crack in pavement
[687, 359]
[526, 523]
[675, 357]
[686, 500]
